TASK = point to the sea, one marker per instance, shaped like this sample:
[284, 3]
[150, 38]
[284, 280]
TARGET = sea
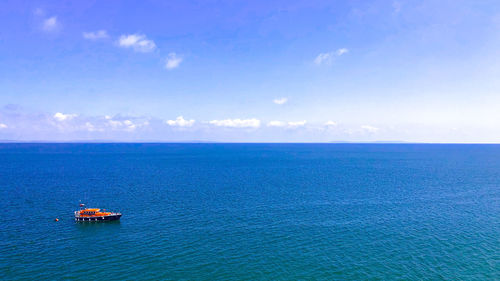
[210, 211]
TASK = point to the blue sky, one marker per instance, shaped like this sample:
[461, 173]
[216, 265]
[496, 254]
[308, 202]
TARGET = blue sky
[250, 71]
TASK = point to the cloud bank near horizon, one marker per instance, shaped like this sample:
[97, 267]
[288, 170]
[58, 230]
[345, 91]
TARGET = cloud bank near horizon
[19, 124]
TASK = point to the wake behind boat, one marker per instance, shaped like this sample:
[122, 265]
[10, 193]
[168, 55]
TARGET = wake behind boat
[95, 214]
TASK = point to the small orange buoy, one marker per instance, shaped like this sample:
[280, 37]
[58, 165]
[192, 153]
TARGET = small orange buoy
[56, 219]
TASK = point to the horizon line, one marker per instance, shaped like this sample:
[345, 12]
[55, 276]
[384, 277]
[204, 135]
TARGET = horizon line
[224, 142]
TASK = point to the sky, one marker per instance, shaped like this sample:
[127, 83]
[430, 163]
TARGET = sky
[250, 71]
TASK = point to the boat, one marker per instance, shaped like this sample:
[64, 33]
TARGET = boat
[95, 214]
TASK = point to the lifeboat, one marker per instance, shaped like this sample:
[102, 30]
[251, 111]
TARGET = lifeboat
[94, 214]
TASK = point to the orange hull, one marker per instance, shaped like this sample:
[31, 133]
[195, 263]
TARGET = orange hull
[93, 214]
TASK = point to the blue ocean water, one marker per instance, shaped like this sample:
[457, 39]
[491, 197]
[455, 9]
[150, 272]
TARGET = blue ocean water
[251, 212]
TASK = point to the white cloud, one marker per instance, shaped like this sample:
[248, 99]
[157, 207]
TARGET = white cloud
[297, 124]
[63, 117]
[126, 124]
[129, 125]
[180, 122]
[286, 124]
[100, 34]
[370, 129]
[138, 42]
[236, 123]
[342, 51]
[276, 124]
[322, 58]
[91, 128]
[96, 124]
[3, 126]
[280, 101]
[114, 124]
[331, 123]
[173, 61]
[326, 58]
[50, 24]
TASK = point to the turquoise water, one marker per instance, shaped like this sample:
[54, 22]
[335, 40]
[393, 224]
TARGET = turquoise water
[251, 212]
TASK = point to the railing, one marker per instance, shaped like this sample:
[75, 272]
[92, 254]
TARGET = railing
[79, 215]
